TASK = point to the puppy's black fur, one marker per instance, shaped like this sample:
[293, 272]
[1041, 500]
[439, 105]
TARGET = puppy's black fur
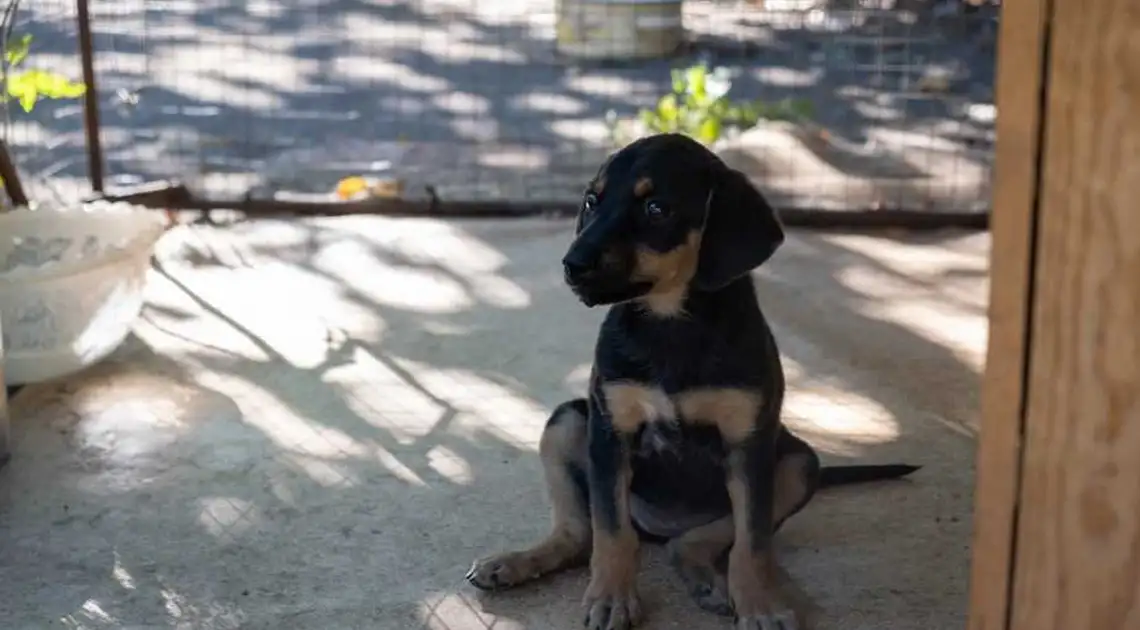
[680, 437]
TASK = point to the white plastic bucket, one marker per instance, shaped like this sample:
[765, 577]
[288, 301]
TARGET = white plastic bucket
[71, 285]
[618, 29]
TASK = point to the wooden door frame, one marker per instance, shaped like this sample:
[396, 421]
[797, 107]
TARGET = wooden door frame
[1021, 92]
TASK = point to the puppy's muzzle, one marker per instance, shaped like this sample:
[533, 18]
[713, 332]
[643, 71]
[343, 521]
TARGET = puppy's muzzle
[582, 279]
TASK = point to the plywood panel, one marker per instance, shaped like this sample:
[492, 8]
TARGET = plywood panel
[1020, 79]
[1078, 538]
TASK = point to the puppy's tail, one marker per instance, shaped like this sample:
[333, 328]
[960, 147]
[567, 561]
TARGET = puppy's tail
[843, 475]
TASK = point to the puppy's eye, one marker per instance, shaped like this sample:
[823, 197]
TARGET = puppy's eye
[589, 202]
[655, 209]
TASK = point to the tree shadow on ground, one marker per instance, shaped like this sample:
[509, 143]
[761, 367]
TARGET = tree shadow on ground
[322, 423]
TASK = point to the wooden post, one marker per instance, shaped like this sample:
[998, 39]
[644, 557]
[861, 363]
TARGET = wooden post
[1057, 509]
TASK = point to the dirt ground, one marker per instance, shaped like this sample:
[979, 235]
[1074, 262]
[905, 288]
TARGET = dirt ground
[320, 424]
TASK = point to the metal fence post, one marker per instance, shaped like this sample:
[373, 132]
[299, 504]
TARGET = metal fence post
[90, 97]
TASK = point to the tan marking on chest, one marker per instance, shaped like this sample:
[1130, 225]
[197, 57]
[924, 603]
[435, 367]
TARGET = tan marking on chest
[732, 411]
[632, 405]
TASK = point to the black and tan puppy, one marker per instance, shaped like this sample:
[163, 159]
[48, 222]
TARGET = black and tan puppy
[680, 438]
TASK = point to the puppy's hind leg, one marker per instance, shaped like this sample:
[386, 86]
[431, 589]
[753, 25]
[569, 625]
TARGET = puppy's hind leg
[563, 452]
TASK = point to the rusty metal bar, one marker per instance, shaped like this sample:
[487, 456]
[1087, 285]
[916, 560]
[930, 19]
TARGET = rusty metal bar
[90, 97]
[175, 196]
[11, 175]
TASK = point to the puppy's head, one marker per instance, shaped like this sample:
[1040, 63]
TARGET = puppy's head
[663, 217]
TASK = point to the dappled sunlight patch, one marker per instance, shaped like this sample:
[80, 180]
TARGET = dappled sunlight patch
[518, 158]
[482, 404]
[784, 76]
[917, 257]
[327, 473]
[384, 398]
[466, 52]
[423, 290]
[963, 334]
[398, 469]
[270, 311]
[462, 103]
[551, 102]
[227, 518]
[458, 611]
[500, 292]
[181, 612]
[280, 423]
[465, 267]
[377, 69]
[127, 442]
[603, 84]
[938, 293]
[847, 415]
[199, 86]
[450, 465]
[446, 329]
[581, 129]
[824, 441]
[90, 615]
[276, 310]
[121, 575]
[793, 371]
[924, 310]
[578, 380]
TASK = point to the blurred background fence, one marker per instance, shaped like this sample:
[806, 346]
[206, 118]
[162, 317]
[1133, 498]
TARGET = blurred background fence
[830, 104]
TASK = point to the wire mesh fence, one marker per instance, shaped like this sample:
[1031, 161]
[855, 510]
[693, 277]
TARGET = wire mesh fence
[832, 104]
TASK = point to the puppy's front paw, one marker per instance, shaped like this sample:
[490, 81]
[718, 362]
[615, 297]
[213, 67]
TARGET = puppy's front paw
[785, 620]
[755, 600]
[500, 572]
[617, 607]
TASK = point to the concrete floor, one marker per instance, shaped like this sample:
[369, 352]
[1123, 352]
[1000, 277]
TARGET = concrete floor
[320, 424]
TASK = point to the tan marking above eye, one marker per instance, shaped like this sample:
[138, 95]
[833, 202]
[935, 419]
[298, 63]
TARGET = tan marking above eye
[599, 184]
[643, 187]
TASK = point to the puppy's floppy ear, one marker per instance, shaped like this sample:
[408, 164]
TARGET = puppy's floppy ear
[741, 231]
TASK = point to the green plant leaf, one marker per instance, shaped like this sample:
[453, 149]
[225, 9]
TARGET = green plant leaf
[17, 50]
[648, 117]
[709, 130]
[53, 85]
[679, 81]
[695, 82]
[802, 107]
[22, 87]
[667, 108]
[30, 85]
[699, 107]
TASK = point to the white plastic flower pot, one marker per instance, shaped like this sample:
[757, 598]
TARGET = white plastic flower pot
[71, 285]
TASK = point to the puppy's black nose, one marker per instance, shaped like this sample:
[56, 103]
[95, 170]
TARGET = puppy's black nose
[576, 270]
